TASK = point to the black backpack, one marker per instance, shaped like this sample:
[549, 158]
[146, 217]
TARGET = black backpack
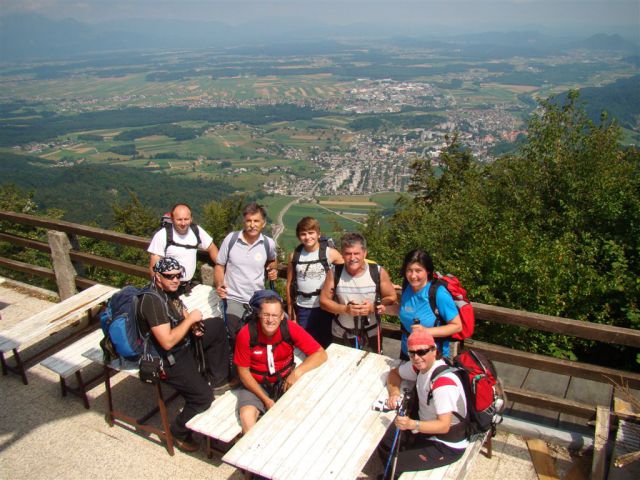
[295, 261]
[168, 228]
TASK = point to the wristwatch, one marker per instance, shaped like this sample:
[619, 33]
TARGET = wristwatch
[417, 429]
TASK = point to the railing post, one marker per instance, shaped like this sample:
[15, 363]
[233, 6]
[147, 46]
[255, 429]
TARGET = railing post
[62, 266]
[75, 245]
[206, 274]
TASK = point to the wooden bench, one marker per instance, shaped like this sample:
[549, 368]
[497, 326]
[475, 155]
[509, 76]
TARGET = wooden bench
[457, 470]
[70, 361]
[220, 422]
[48, 322]
[114, 416]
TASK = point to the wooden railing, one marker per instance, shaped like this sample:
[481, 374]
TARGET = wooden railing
[489, 313]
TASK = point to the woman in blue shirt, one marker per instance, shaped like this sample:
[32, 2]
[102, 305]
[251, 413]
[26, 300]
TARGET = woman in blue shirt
[414, 310]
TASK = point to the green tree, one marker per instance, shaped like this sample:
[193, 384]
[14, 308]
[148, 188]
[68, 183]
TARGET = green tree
[552, 228]
[134, 218]
[221, 217]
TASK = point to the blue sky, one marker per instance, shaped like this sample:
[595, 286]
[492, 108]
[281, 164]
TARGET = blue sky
[475, 15]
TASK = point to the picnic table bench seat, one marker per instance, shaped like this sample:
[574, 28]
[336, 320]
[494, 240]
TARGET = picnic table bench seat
[45, 323]
[220, 422]
[70, 361]
[457, 470]
[131, 368]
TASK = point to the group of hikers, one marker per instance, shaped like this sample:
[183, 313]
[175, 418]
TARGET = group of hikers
[333, 295]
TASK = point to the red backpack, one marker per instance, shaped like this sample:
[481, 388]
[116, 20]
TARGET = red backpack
[459, 294]
[486, 400]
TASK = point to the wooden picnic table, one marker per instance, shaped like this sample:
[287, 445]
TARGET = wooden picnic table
[48, 322]
[324, 426]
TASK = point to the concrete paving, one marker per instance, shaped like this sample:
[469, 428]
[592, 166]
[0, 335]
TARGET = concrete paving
[43, 435]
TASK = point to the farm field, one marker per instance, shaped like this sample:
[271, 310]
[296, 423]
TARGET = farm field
[336, 214]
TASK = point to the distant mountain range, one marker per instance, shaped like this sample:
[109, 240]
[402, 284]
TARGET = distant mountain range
[31, 36]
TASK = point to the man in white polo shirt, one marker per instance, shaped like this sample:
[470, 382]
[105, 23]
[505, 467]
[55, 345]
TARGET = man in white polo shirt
[241, 263]
[181, 240]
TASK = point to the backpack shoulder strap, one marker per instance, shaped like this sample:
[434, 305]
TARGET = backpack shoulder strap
[232, 242]
[253, 334]
[285, 332]
[295, 258]
[196, 232]
[433, 288]
[266, 246]
[337, 273]
[322, 255]
[437, 373]
[168, 229]
[296, 255]
[374, 271]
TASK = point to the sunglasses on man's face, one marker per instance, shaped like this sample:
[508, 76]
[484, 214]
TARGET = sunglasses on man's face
[171, 276]
[422, 352]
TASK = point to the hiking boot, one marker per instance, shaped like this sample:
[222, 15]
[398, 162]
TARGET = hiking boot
[187, 445]
[228, 385]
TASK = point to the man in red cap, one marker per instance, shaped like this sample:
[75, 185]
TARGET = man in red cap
[439, 436]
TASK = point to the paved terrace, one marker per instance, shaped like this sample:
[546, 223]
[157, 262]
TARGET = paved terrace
[43, 435]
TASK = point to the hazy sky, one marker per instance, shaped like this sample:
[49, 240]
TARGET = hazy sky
[477, 14]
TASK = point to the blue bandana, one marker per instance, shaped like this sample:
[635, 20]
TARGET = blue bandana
[167, 264]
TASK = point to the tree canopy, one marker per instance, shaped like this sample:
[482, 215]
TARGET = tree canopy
[552, 229]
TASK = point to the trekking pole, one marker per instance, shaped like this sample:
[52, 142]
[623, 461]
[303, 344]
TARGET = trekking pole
[226, 327]
[395, 446]
[376, 304]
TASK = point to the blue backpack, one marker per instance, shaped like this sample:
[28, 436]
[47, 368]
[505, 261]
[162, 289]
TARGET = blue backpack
[120, 325]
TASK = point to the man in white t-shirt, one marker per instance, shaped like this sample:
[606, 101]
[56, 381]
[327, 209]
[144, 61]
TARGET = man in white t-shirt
[439, 436]
[181, 241]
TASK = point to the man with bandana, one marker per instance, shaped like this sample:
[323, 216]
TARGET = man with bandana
[172, 328]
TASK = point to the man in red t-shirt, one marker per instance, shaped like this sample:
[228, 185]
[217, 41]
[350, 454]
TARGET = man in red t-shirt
[268, 365]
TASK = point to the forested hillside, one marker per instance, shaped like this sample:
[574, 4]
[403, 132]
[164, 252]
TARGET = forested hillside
[86, 193]
[553, 229]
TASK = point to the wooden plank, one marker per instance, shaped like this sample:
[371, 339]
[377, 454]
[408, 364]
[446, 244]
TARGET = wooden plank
[55, 317]
[585, 391]
[354, 434]
[96, 355]
[564, 326]
[542, 460]
[306, 390]
[457, 470]
[27, 268]
[549, 402]
[550, 384]
[25, 242]
[600, 441]
[556, 365]
[68, 227]
[221, 420]
[69, 360]
[109, 263]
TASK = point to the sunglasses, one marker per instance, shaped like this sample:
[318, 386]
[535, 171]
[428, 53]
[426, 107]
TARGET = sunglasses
[171, 276]
[422, 352]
